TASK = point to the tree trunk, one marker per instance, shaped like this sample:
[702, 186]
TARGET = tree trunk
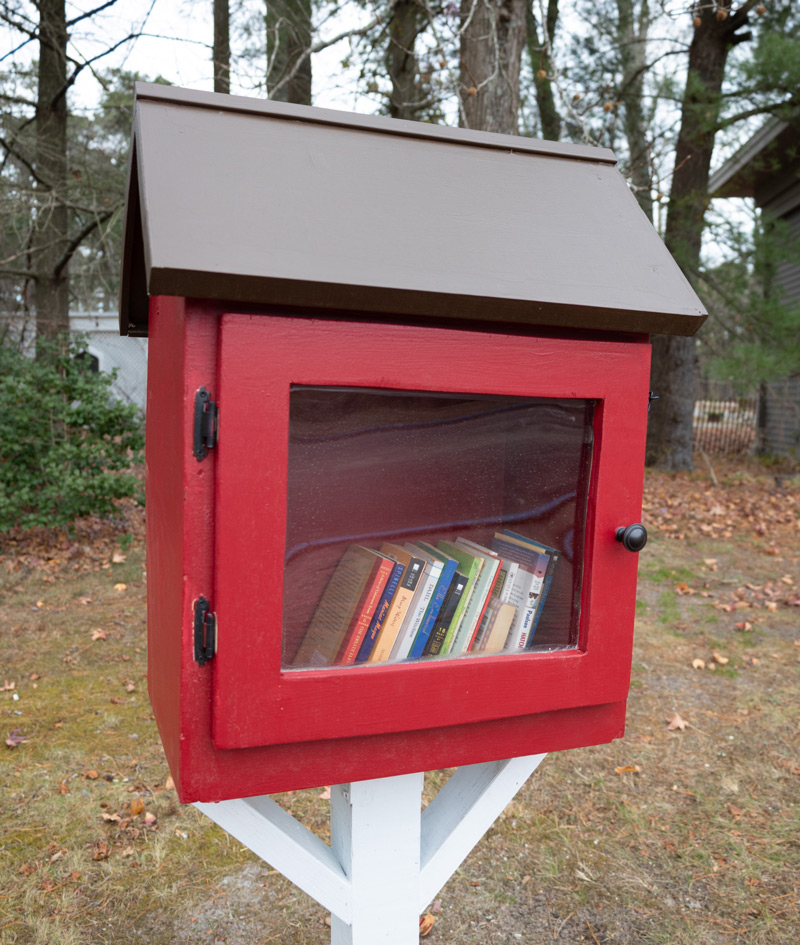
[632, 41]
[491, 50]
[539, 52]
[51, 241]
[669, 435]
[288, 44]
[222, 47]
[401, 60]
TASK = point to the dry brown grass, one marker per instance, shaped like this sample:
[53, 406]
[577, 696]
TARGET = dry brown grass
[697, 842]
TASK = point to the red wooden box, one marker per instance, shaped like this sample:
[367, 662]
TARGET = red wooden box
[371, 389]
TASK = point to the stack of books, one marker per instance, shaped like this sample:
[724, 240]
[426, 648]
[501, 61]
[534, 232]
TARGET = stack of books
[425, 601]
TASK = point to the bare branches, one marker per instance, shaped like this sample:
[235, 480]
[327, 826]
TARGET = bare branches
[82, 235]
[91, 13]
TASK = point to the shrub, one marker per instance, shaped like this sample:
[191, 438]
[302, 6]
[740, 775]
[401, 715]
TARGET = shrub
[67, 448]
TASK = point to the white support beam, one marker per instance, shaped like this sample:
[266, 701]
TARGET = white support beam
[375, 834]
[387, 859]
[462, 812]
[277, 838]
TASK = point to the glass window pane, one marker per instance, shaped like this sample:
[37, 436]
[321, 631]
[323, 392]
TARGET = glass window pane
[427, 526]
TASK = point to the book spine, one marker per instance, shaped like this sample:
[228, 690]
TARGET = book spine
[489, 597]
[384, 640]
[548, 580]
[432, 613]
[487, 624]
[525, 597]
[358, 628]
[437, 641]
[416, 613]
[458, 618]
[379, 616]
[508, 584]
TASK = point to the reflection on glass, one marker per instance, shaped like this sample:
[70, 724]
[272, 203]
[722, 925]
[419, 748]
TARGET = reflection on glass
[427, 526]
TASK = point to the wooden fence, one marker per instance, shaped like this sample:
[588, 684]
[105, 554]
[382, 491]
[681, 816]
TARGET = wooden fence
[725, 422]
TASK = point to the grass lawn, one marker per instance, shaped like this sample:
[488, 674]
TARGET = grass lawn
[685, 831]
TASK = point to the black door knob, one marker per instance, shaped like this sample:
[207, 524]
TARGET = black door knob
[634, 537]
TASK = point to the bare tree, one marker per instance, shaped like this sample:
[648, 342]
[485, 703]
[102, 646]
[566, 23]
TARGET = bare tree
[406, 22]
[540, 46]
[289, 33]
[632, 34]
[51, 237]
[222, 47]
[716, 32]
[493, 34]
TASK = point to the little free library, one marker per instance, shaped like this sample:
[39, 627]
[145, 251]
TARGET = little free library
[397, 401]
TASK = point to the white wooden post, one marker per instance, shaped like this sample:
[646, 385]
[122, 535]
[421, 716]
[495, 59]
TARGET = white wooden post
[387, 858]
[375, 835]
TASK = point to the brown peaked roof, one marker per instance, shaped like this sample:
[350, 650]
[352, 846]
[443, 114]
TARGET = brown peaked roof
[258, 202]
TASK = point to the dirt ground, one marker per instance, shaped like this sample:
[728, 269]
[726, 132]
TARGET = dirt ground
[684, 831]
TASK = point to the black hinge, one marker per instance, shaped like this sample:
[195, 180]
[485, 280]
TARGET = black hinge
[205, 631]
[206, 428]
[651, 397]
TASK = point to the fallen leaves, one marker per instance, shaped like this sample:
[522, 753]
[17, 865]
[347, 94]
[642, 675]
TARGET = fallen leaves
[676, 723]
[717, 659]
[426, 923]
[677, 507]
[101, 850]
[15, 739]
[99, 634]
[8, 686]
[628, 769]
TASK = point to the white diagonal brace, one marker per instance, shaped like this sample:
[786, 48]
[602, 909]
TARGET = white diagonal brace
[462, 812]
[277, 838]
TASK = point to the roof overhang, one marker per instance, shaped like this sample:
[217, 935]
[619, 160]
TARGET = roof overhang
[264, 203]
[773, 147]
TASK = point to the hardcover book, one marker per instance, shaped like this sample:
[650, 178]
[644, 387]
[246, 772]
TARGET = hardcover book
[442, 627]
[525, 597]
[379, 617]
[498, 625]
[348, 650]
[419, 604]
[470, 565]
[439, 594]
[336, 609]
[554, 556]
[484, 590]
[381, 647]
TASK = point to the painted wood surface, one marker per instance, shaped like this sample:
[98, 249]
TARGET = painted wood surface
[387, 858]
[242, 200]
[277, 838]
[375, 835]
[481, 712]
[255, 701]
[462, 812]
